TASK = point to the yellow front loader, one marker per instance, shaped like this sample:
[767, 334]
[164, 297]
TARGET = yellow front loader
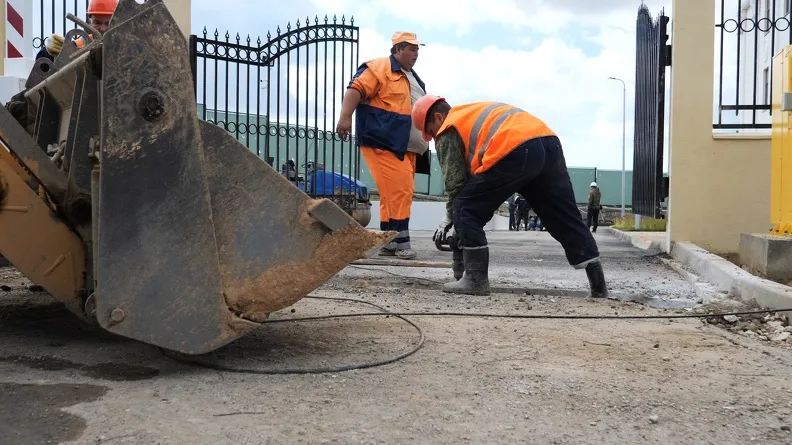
[138, 216]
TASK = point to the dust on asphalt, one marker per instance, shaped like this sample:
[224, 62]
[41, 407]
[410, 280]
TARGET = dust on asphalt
[476, 380]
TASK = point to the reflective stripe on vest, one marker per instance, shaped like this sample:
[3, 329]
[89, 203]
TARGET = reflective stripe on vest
[491, 130]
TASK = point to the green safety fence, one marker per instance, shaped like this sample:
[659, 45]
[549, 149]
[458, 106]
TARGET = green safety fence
[344, 157]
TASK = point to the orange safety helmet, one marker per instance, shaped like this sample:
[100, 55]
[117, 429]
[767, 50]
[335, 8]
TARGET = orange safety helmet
[419, 111]
[102, 7]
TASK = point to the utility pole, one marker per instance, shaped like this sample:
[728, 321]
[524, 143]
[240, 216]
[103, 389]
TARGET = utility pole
[624, 142]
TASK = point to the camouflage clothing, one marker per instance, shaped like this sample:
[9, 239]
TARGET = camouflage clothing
[594, 198]
[451, 156]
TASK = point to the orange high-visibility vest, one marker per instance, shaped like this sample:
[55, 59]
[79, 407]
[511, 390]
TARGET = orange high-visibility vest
[491, 130]
[384, 115]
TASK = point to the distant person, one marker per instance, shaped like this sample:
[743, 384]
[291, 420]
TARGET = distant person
[593, 211]
[289, 170]
[99, 13]
[512, 215]
[522, 211]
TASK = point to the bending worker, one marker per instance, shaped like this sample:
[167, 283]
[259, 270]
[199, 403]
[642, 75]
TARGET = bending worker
[383, 92]
[487, 152]
[99, 13]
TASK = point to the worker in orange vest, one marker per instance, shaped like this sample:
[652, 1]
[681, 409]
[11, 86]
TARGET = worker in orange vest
[487, 152]
[99, 13]
[382, 94]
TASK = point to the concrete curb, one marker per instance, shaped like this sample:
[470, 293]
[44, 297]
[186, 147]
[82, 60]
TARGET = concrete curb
[652, 247]
[728, 277]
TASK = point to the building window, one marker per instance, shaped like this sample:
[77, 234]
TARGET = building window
[766, 85]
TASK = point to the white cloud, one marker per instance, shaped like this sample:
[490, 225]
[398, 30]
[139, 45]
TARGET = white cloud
[554, 78]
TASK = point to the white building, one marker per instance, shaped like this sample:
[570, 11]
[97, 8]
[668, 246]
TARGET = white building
[764, 39]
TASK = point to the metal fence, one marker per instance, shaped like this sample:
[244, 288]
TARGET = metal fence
[280, 96]
[651, 59]
[750, 34]
[49, 17]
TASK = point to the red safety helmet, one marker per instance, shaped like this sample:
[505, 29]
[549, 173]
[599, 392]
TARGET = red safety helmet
[102, 7]
[419, 111]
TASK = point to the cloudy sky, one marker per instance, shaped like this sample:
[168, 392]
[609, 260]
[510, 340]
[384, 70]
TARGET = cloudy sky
[552, 58]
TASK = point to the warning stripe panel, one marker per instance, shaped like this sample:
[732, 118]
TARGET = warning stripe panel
[12, 52]
[14, 19]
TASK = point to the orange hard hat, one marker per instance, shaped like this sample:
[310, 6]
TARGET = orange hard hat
[102, 7]
[419, 111]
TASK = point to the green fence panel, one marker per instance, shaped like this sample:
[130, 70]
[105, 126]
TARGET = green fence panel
[345, 157]
[609, 182]
[581, 180]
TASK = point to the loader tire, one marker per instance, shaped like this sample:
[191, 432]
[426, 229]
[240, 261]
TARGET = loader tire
[362, 214]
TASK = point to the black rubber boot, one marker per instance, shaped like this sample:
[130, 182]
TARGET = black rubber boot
[457, 264]
[596, 279]
[475, 280]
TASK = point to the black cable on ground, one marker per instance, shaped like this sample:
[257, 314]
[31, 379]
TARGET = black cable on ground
[406, 277]
[192, 360]
[530, 316]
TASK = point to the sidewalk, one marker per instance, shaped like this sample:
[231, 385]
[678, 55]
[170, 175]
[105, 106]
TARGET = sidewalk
[654, 242]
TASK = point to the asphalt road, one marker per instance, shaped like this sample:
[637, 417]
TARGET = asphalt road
[474, 380]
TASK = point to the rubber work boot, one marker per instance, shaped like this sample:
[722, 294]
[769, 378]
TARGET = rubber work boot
[596, 280]
[457, 264]
[475, 280]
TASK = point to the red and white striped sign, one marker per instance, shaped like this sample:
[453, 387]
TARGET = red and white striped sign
[18, 27]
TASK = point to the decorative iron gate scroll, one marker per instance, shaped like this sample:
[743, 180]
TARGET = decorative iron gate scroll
[281, 97]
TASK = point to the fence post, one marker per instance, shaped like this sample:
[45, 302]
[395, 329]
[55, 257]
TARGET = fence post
[193, 48]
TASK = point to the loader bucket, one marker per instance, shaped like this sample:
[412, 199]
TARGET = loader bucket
[199, 239]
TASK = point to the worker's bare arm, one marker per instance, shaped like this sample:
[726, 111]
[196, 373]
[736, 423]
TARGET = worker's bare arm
[364, 84]
[351, 101]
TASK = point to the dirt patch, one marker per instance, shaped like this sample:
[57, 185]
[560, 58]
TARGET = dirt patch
[12, 278]
[31, 413]
[105, 371]
[282, 286]
[765, 327]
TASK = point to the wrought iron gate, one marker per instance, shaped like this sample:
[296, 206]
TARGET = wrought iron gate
[652, 58]
[49, 17]
[281, 98]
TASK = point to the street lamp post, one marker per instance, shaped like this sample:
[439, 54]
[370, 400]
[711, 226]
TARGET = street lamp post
[624, 141]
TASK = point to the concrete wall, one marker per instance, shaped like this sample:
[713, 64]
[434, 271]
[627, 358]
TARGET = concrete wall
[182, 13]
[720, 184]
[426, 216]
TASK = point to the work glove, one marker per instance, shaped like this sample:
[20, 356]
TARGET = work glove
[54, 44]
[442, 230]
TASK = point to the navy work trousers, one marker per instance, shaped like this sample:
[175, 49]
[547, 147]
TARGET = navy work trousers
[537, 170]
